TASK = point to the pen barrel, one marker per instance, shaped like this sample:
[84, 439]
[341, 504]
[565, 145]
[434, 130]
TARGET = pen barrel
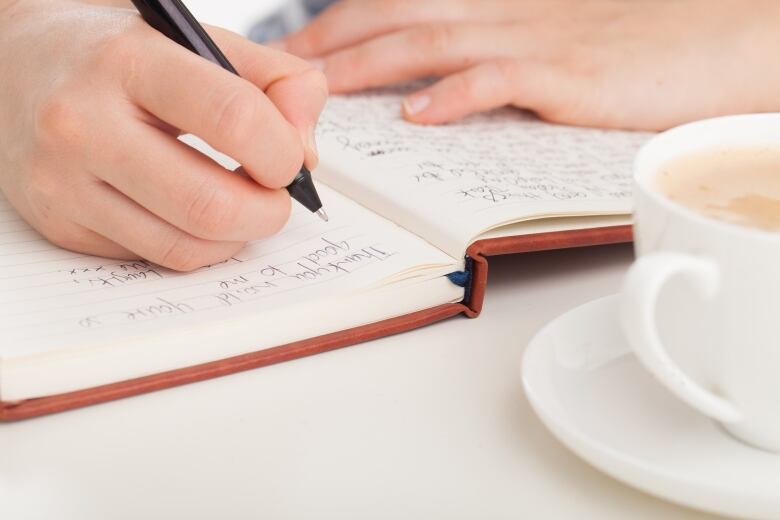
[174, 20]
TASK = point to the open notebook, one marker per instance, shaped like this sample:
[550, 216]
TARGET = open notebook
[414, 212]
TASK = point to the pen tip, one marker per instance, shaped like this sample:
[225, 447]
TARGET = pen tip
[321, 213]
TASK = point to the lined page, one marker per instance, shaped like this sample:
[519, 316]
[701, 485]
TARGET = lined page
[51, 298]
[450, 183]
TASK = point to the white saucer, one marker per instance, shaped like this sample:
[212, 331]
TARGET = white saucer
[596, 398]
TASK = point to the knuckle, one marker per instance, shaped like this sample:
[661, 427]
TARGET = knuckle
[115, 48]
[466, 86]
[212, 211]
[305, 77]
[179, 252]
[316, 81]
[60, 121]
[235, 115]
[493, 76]
[119, 52]
[435, 39]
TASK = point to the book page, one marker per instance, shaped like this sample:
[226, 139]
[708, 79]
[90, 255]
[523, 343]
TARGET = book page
[52, 299]
[450, 183]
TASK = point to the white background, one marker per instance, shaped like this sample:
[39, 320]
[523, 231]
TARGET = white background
[428, 424]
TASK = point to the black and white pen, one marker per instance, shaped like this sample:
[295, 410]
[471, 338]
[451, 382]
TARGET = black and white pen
[174, 20]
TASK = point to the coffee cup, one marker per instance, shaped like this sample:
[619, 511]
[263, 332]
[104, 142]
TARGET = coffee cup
[700, 307]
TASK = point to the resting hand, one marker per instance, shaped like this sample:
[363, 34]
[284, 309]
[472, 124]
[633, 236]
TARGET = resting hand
[643, 64]
[91, 103]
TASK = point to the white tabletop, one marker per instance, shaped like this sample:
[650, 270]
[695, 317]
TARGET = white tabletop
[428, 424]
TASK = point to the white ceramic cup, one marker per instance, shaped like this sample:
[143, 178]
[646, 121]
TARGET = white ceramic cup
[701, 305]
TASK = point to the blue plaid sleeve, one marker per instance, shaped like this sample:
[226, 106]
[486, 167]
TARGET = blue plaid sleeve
[291, 16]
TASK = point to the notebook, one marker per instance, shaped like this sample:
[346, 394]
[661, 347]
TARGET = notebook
[414, 214]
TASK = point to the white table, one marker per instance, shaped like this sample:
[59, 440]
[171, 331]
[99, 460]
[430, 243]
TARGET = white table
[430, 424]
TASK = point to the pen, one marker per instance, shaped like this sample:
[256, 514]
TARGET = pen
[174, 20]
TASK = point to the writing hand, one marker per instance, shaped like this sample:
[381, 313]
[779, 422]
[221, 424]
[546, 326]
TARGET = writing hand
[642, 64]
[91, 103]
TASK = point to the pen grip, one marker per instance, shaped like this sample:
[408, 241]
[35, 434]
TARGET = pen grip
[174, 20]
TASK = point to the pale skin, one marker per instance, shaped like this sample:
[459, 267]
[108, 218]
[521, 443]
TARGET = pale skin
[638, 64]
[91, 103]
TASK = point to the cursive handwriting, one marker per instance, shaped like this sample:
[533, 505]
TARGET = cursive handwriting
[502, 157]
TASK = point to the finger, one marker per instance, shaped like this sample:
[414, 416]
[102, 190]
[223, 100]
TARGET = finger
[230, 113]
[414, 53]
[301, 100]
[295, 87]
[82, 240]
[194, 193]
[350, 22]
[114, 216]
[486, 86]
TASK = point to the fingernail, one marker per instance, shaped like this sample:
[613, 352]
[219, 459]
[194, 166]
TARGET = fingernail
[416, 103]
[279, 45]
[311, 142]
[317, 63]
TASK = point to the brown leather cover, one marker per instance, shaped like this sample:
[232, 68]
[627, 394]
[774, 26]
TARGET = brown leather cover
[478, 252]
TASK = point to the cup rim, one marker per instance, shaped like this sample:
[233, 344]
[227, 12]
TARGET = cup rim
[642, 180]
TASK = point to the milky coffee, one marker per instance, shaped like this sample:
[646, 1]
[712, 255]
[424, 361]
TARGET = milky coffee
[739, 185]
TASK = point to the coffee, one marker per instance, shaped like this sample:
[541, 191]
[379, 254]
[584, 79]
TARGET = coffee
[739, 185]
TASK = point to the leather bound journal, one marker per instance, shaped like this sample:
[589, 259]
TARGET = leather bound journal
[415, 214]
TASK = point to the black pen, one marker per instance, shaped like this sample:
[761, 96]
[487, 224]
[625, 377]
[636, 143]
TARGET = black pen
[174, 20]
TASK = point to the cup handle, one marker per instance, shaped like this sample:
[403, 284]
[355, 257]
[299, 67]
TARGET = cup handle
[638, 300]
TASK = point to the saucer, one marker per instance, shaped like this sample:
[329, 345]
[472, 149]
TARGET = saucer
[595, 397]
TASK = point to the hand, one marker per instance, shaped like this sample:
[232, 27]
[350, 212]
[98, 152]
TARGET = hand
[642, 64]
[91, 103]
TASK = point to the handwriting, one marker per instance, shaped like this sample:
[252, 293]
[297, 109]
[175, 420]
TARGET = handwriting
[113, 275]
[504, 157]
[51, 298]
[322, 259]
